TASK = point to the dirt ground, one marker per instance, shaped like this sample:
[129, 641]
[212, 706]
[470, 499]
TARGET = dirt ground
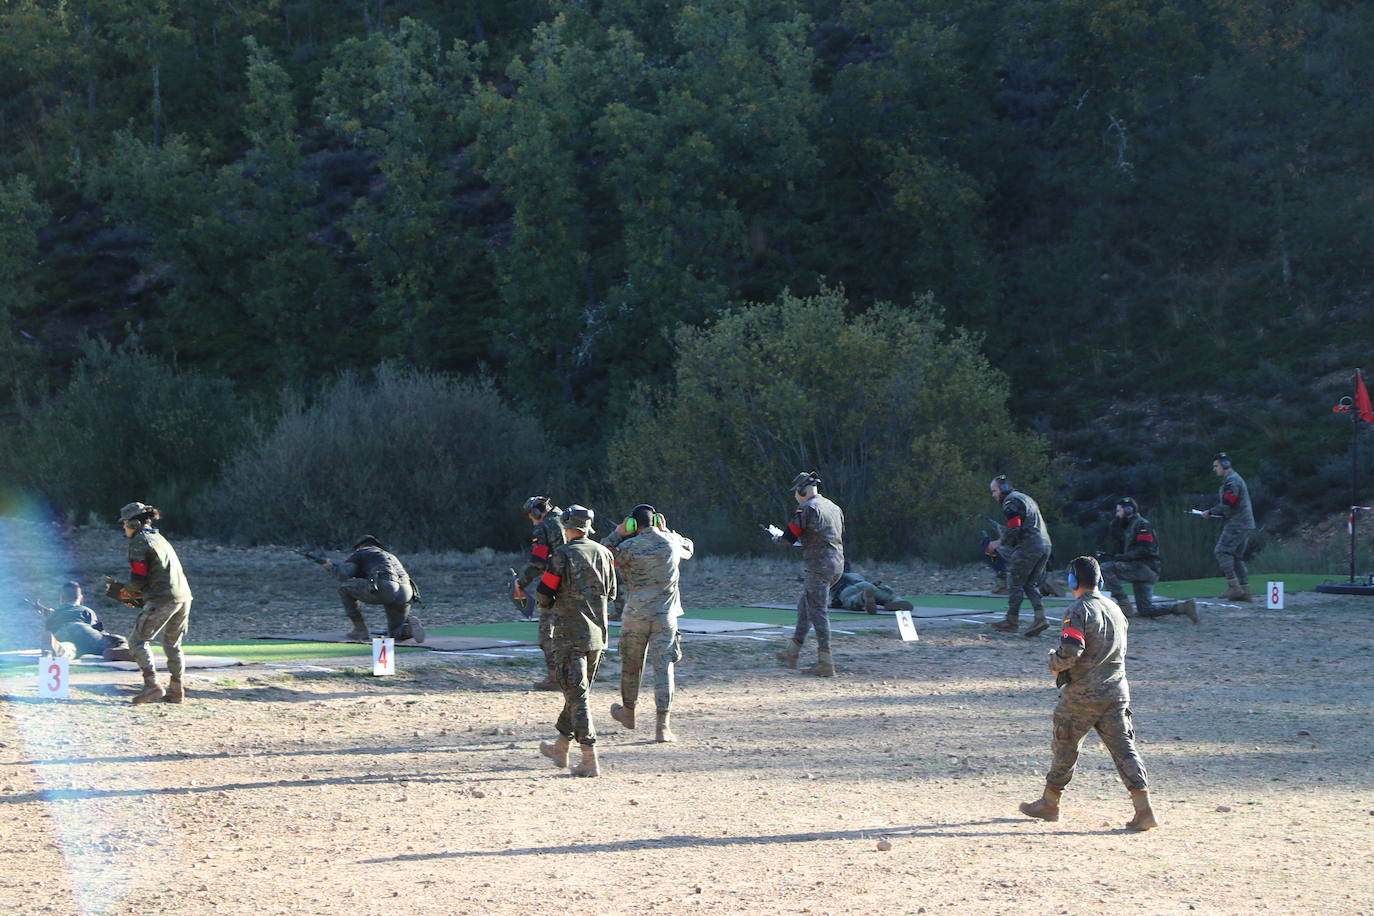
[325, 790]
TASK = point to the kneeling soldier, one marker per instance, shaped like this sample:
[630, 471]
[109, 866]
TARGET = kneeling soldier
[1135, 559]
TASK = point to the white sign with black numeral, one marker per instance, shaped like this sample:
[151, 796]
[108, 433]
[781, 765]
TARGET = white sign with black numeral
[907, 626]
[383, 655]
[52, 677]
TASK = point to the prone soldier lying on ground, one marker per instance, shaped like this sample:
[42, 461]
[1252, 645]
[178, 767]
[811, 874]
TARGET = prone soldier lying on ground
[852, 592]
[73, 630]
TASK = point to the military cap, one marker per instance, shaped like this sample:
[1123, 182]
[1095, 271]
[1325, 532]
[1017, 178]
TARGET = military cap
[579, 517]
[131, 510]
[1129, 503]
[368, 540]
[803, 480]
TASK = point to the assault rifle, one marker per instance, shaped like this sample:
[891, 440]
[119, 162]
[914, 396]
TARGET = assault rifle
[318, 558]
[518, 596]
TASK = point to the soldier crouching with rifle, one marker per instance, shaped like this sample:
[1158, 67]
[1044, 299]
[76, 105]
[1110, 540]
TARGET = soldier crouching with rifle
[374, 575]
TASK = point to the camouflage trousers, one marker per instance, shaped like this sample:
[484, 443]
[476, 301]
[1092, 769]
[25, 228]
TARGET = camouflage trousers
[77, 639]
[170, 618]
[1074, 718]
[546, 635]
[852, 596]
[811, 609]
[1142, 578]
[1230, 553]
[1025, 569]
[657, 638]
[393, 596]
[575, 670]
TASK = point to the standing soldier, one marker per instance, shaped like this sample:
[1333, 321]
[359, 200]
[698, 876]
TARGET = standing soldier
[1090, 667]
[547, 535]
[818, 524]
[374, 575]
[158, 587]
[1025, 545]
[1134, 558]
[576, 587]
[1233, 505]
[647, 555]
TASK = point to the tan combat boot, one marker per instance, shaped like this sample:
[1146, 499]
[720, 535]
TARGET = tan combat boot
[625, 715]
[588, 765]
[151, 690]
[1144, 818]
[556, 750]
[663, 733]
[175, 692]
[871, 600]
[899, 605]
[1008, 624]
[1187, 608]
[549, 682]
[1242, 592]
[1046, 807]
[1124, 602]
[788, 654]
[1232, 587]
[825, 665]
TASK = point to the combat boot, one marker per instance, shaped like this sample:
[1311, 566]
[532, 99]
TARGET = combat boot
[1008, 624]
[1038, 626]
[871, 600]
[588, 765]
[825, 665]
[151, 690]
[788, 655]
[1144, 817]
[1188, 609]
[359, 632]
[175, 692]
[1232, 590]
[625, 715]
[899, 605]
[1242, 592]
[417, 630]
[549, 682]
[1046, 807]
[556, 750]
[663, 734]
[1124, 602]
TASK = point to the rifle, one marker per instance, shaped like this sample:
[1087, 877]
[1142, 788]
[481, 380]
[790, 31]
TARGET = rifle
[116, 590]
[42, 609]
[518, 596]
[318, 558]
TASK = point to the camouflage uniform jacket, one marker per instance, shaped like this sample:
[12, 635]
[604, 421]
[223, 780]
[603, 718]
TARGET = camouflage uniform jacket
[547, 534]
[71, 613]
[1025, 526]
[1092, 649]
[372, 563]
[154, 570]
[843, 582]
[577, 585]
[1233, 503]
[648, 562]
[819, 525]
[1134, 539]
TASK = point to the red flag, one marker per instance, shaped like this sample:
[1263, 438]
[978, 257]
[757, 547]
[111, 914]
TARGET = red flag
[1362, 403]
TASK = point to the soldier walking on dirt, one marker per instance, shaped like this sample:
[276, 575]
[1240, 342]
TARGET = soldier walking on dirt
[1090, 667]
[576, 587]
[547, 535]
[647, 556]
[818, 525]
[1134, 558]
[1233, 507]
[158, 587]
[1025, 545]
[374, 575]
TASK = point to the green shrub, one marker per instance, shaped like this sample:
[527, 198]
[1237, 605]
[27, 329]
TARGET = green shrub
[903, 418]
[126, 426]
[417, 459]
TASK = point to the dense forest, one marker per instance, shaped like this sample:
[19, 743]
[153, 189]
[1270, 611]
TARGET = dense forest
[1134, 231]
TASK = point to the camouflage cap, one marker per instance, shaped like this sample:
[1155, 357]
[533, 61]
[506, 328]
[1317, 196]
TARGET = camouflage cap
[368, 540]
[131, 510]
[803, 480]
[579, 517]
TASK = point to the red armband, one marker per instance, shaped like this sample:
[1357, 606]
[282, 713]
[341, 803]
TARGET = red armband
[1014, 522]
[138, 569]
[1231, 498]
[548, 583]
[1144, 537]
[793, 532]
[1073, 633]
[540, 551]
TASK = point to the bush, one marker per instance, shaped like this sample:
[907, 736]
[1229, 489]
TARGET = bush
[127, 426]
[420, 460]
[905, 421]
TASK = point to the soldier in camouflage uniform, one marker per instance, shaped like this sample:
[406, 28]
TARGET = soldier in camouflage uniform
[647, 556]
[1025, 544]
[576, 587]
[75, 630]
[547, 535]
[1090, 667]
[852, 592]
[374, 575]
[158, 587]
[818, 525]
[1134, 558]
[1233, 506]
